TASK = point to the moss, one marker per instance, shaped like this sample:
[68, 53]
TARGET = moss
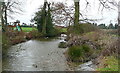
[62, 45]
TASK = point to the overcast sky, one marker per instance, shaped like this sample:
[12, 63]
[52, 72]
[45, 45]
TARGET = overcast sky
[92, 12]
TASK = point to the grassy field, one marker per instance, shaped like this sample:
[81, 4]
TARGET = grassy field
[63, 30]
[28, 29]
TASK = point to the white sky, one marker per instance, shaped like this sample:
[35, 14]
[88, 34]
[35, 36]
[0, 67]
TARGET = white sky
[31, 6]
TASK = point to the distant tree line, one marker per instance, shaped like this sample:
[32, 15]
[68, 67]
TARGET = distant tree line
[103, 26]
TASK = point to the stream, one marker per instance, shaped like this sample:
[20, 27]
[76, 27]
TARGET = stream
[35, 55]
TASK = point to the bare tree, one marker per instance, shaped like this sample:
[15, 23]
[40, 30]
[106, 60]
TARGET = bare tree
[62, 14]
[107, 4]
[9, 8]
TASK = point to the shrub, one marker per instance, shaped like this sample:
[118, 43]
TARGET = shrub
[75, 52]
[80, 53]
[86, 48]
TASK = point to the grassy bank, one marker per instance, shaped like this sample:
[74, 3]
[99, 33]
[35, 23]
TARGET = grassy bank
[106, 41]
[109, 63]
[13, 37]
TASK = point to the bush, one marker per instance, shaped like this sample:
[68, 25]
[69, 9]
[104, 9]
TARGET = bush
[75, 52]
[79, 53]
[86, 48]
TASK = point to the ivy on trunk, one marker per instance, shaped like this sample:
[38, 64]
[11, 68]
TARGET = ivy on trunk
[76, 15]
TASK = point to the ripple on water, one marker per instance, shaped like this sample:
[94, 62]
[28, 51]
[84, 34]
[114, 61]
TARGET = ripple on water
[44, 54]
[89, 66]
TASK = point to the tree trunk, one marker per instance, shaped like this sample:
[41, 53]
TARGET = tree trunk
[118, 18]
[44, 19]
[2, 5]
[76, 15]
[5, 15]
[44, 27]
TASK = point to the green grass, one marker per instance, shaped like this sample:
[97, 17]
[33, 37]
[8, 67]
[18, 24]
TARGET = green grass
[112, 64]
[28, 29]
[63, 30]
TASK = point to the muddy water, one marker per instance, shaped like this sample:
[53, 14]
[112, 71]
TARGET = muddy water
[36, 55]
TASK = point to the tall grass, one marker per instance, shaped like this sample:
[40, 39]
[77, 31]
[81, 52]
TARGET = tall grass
[79, 52]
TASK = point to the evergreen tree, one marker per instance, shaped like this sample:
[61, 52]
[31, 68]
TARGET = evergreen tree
[102, 26]
[116, 26]
[111, 26]
[44, 15]
[43, 20]
[50, 29]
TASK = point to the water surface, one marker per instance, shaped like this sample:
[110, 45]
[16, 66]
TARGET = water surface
[36, 55]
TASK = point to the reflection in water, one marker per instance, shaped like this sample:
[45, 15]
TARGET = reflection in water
[36, 56]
